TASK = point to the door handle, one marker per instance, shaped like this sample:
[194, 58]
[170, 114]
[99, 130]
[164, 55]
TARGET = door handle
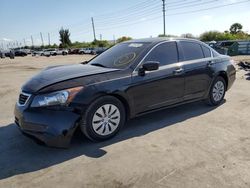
[178, 71]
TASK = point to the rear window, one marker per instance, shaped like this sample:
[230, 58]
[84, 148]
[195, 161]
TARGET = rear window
[215, 54]
[206, 51]
[191, 50]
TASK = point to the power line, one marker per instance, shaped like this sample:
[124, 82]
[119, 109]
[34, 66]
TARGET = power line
[193, 5]
[151, 12]
[174, 14]
[214, 7]
[143, 13]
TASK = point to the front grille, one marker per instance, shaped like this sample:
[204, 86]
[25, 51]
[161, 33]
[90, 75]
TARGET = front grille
[23, 98]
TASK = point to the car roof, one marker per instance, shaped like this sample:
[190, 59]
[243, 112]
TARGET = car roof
[161, 39]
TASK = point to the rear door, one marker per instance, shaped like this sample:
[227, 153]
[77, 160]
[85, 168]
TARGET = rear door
[196, 59]
[161, 87]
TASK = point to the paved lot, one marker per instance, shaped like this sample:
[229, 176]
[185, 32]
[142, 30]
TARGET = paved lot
[187, 146]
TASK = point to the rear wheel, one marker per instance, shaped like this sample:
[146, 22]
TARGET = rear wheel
[103, 118]
[217, 92]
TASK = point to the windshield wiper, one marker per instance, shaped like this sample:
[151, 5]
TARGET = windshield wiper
[99, 65]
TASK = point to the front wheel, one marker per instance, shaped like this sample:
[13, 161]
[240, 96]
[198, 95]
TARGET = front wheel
[103, 118]
[217, 91]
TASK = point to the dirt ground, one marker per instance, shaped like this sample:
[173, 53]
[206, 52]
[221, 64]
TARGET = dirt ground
[188, 146]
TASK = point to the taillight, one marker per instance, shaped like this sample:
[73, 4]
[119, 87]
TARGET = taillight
[233, 63]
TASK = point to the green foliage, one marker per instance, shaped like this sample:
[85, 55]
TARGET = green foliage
[64, 38]
[100, 43]
[123, 38]
[218, 36]
[50, 46]
[96, 43]
[236, 28]
[235, 33]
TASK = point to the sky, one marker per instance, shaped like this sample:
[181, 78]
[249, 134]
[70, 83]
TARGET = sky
[21, 19]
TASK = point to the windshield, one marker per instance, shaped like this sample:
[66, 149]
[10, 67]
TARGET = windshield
[120, 56]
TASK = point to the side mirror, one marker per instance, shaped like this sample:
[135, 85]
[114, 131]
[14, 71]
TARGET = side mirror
[148, 66]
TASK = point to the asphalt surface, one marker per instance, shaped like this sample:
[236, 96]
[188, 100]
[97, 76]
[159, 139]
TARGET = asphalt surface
[193, 145]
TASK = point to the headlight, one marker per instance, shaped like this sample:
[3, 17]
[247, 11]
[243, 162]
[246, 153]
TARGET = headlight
[63, 97]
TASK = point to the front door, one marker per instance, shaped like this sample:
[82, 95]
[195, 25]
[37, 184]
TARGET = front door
[162, 87]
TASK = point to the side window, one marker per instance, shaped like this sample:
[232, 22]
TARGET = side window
[215, 54]
[165, 54]
[191, 50]
[206, 51]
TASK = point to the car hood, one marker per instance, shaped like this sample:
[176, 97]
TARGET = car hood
[56, 74]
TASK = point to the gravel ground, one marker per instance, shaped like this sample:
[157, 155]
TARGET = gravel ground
[188, 146]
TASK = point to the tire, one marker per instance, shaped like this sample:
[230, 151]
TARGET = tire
[96, 126]
[217, 92]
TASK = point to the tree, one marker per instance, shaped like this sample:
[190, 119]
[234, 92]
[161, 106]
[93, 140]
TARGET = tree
[210, 36]
[235, 28]
[123, 38]
[64, 38]
[100, 43]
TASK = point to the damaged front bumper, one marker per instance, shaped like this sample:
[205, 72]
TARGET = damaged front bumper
[53, 127]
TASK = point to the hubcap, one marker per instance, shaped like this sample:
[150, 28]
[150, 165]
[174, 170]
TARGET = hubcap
[218, 91]
[106, 119]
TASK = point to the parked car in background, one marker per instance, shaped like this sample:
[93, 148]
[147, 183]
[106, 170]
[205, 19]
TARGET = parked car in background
[86, 50]
[10, 53]
[2, 54]
[28, 51]
[128, 80]
[62, 52]
[36, 52]
[20, 52]
[74, 51]
[98, 50]
[48, 52]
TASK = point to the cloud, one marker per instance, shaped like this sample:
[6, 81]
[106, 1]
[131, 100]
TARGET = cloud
[6, 39]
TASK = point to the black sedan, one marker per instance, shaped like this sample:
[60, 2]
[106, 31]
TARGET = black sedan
[128, 80]
[21, 53]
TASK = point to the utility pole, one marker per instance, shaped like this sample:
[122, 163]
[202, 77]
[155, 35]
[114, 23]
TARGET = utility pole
[32, 40]
[114, 39]
[100, 36]
[93, 25]
[164, 16]
[41, 38]
[48, 38]
[24, 42]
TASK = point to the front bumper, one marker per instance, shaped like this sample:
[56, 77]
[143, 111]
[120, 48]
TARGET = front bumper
[52, 127]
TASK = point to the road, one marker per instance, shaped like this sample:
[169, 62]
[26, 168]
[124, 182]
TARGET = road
[192, 145]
